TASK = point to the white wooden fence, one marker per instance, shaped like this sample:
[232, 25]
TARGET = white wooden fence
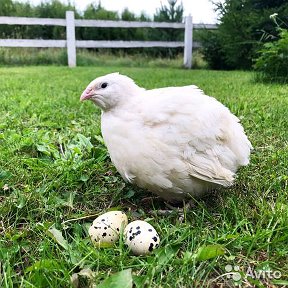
[71, 43]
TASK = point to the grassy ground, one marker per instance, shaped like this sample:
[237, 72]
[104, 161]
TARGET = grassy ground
[55, 173]
[58, 56]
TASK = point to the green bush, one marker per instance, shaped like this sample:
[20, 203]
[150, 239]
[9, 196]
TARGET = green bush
[241, 24]
[272, 63]
[212, 50]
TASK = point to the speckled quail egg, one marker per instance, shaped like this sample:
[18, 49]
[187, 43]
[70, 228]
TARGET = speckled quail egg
[106, 228]
[141, 237]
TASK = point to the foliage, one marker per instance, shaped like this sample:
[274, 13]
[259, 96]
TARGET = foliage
[56, 177]
[9, 8]
[170, 13]
[56, 9]
[212, 49]
[272, 62]
[58, 56]
[241, 26]
[51, 9]
[96, 11]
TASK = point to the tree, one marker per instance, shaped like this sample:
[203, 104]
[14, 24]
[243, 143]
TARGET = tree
[242, 24]
[170, 13]
[173, 12]
[97, 12]
[52, 9]
[10, 8]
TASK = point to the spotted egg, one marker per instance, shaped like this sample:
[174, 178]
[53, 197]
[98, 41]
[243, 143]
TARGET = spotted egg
[141, 237]
[106, 228]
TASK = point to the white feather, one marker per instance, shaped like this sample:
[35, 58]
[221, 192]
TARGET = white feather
[173, 141]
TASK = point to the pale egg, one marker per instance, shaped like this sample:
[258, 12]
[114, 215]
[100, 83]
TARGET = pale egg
[141, 237]
[105, 229]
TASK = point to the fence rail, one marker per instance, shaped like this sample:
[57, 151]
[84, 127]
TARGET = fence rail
[71, 43]
[32, 43]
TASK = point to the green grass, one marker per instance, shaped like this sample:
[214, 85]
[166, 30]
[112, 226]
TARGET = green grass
[112, 57]
[55, 172]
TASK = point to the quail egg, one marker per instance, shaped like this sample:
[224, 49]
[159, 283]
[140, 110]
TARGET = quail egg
[106, 228]
[141, 237]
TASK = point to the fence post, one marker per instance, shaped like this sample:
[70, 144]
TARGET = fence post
[70, 38]
[188, 42]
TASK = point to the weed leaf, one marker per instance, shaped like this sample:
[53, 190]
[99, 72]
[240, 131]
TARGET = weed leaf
[122, 279]
[209, 252]
[57, 236]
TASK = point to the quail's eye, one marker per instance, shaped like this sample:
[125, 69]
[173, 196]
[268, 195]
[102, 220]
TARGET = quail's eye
[104, 85]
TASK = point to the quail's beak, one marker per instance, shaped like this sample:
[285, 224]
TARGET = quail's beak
[87, 94]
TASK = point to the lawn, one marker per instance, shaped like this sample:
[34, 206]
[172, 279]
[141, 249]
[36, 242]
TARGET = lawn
[56, 177]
